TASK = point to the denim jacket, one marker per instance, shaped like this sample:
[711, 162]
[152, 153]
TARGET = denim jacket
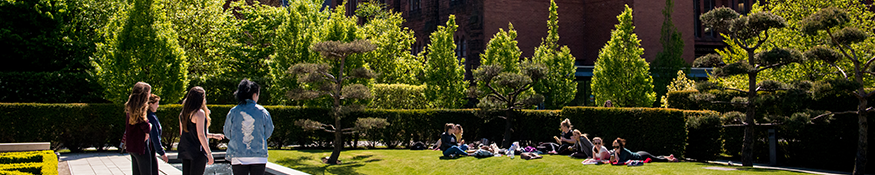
[247, 127]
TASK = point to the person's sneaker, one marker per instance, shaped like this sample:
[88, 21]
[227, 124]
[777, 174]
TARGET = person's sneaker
[452, 156]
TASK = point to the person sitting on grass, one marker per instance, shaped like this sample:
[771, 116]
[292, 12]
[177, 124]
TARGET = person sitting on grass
[448, 143]
[621, 154]
[582, 147]
[565, 141]
[459, 139]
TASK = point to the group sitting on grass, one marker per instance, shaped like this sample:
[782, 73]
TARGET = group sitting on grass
[571, 142]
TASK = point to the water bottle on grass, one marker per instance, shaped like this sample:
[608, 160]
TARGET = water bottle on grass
[512, 149]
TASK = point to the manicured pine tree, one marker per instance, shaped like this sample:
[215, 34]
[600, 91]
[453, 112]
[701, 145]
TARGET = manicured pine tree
[507, 80]
[748, 32]
[841, 45]
[330, 82]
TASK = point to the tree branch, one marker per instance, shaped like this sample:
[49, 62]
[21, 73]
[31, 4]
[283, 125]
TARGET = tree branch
[761, 41]
[834, 113]
[840, 70]
[500, 97]
[870, 94]
[327, 76]
[739, 90]
[771, 66]
[868, 63]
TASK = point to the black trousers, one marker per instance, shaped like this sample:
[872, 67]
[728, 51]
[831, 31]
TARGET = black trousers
[645, 155]
[154, 159]
[141, 164]
[194, 166]
[251, 169]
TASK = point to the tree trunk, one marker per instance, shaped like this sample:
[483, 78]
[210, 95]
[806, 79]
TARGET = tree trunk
[747, 146]
[505, 143]
[338, 130]
[863, 140]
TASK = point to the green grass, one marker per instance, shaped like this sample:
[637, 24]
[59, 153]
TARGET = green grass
[382, 161]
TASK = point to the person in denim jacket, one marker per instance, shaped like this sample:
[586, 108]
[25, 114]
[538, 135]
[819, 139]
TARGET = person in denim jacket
[247, 127]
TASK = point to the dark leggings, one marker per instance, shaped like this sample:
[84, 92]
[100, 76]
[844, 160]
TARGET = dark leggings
[153, 158]
[645, 155]
[252, 169]
[194, 166]
[141, 164]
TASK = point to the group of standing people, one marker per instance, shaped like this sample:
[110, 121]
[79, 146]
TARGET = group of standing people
[247, 127]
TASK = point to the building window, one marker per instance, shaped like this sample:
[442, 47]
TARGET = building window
[415, 5]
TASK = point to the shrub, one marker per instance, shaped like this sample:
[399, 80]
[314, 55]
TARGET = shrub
[399, 96]
[77, 126]
[29, 162]
[49, 87]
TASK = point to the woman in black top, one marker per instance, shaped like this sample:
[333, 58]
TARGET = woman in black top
[194, 150]
[566, 140]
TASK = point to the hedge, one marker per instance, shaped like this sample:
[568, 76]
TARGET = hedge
[29, 162]
[77, 126]
[49, 87]
[399, 96]
[797, 143]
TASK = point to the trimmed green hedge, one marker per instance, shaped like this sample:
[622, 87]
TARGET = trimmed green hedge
[29, 162]
[49, 87]
[838, 136]
[78, 126]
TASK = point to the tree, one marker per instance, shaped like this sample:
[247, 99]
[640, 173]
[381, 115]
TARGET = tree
[558, 85]
[199, 25]
[331, 83]
[445, 84]
[391, 59]
[621, 74]
[831, 22]
[141, 46]
[301, 26]
[748, 32]
[247, 45]
[507, 88]
[669, 59]
[680, 83]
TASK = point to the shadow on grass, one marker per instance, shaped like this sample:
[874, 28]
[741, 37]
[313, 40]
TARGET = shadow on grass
[303, 163]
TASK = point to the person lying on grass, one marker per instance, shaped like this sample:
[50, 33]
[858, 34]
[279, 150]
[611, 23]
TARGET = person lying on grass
[621, 154]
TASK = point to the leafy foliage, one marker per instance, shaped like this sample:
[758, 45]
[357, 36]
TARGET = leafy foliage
[399, 96]
[445, 84]
[332, 84]
[141, 45]
[201, 27]
[391, 59]
[558, 85]
[506, 88]
[668, 60]
[680, 83]
[621, 74]
[300, 27]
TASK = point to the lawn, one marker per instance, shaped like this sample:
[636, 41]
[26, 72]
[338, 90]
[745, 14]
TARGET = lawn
[382, 161]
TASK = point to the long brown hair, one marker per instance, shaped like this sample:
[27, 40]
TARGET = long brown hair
[136, 106]
[194, 101]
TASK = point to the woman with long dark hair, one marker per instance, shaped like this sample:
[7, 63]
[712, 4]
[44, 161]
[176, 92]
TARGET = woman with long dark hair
[194, 150]
[137, 129]
[247, 126]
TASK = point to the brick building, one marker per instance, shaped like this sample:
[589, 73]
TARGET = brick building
[584, 26]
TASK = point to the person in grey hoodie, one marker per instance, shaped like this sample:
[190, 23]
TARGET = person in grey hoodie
[247, 127]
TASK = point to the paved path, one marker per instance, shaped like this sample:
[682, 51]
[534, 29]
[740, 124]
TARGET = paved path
[108, 163]
[794, 169]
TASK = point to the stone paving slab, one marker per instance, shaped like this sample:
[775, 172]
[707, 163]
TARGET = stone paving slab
[107, 164]
[120, 164]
